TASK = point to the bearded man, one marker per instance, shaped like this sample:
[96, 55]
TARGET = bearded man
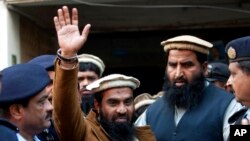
[113, 95]
[191, 108]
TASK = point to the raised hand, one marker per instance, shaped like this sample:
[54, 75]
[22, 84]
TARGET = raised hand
[69, 38]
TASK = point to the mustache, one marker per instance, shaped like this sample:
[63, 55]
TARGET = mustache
[124, 116]
[49, 115]
[83, 88]
[178, 80]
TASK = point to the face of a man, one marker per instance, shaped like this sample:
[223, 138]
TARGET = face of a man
[116, 111]
[85, 78]
[240, 82]
[182, 66]
[184, 79]
[38, 113]
[117, 104]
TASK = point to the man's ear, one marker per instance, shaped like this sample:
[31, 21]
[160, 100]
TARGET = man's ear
[16, 111]
[96, 105]
[204, 68]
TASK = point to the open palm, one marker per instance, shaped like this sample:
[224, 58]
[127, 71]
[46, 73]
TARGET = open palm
[69, 38]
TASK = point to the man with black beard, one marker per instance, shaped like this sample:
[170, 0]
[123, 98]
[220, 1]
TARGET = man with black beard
[115, 106]
[191, 107]
[91, 68]
[113, 94]
[184, 96]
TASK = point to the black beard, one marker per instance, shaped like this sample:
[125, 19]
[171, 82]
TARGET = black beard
[118, 131]
[87, 103]
[186, 96]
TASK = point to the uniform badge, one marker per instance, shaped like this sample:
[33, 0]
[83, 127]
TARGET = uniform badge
[231, 53]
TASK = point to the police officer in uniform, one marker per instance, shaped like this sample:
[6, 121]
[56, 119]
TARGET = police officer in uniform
[238, 52]
[47, 62]
[24, 106]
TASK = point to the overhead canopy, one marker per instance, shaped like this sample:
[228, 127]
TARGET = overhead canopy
[140, 15]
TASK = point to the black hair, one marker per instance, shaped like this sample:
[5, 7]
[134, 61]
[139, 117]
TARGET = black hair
[87, 66]
[98, 96]
[202, 58]
[244, 66]
[4, 107]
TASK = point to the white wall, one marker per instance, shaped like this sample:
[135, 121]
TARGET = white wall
[9, 37]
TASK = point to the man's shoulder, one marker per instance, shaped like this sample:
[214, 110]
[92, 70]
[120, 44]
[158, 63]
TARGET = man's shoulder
[6, 124]
[212, 89]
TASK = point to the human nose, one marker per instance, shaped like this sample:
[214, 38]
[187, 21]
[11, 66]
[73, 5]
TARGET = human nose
[49, 106]
[229, 81]
[179, 73]
[121, 109]
[84, 82]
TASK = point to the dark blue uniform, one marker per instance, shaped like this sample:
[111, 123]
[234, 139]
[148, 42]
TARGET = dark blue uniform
[7, 131]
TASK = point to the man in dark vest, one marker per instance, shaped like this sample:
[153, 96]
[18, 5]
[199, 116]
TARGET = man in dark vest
[191, 107]
[238, 53]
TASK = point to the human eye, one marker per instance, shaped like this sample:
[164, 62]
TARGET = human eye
[129, 102]
[80, 79]
[171, 64]
[42, 102]
[112, 102]
[188, 64]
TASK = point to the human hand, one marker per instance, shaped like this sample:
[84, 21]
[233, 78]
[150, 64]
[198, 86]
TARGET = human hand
[69, 38]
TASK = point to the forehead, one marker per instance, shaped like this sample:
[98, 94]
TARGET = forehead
[182, 55]
[234, 66]
[87, 73]
[43, 94]
[118, 93]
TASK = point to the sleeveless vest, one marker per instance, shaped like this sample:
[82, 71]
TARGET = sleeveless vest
[203, 122]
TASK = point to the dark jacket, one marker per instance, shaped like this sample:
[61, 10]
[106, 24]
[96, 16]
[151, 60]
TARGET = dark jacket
[48, 134]
[7, 131]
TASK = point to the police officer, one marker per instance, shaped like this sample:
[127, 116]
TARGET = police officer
[47, 62]
[238, 53]
[7, 130]
[218, 74]
[25, 108]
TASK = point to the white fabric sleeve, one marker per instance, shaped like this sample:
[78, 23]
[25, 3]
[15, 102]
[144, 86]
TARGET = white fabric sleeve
[141, 120]
[231, 109]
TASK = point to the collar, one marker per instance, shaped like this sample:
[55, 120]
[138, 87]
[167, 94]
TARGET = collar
[8, 124]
